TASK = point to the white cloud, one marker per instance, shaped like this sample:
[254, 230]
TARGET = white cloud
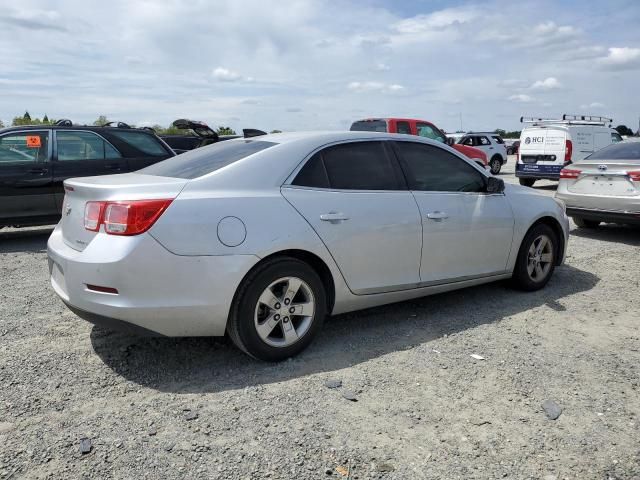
[225, 75]
[363, 87]
[621, 58]
[382, 67]
[549, 83]
[521, 97]
[595, 105]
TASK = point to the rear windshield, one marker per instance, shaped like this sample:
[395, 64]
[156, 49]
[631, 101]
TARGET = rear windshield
[618, 151]
[369, 126]
[202, 161]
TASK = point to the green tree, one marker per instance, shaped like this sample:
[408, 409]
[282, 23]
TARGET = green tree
[26, 117]
[500, 132]
[101, 121]
[45, 119]
[225, 131]
[624, 130]
[1, 124]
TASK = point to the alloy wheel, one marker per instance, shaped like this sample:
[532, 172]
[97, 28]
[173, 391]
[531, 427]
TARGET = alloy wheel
[284, 312]
[540, 258]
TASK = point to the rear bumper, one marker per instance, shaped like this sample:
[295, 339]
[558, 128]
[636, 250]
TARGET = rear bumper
[605, 215]
[158, 292]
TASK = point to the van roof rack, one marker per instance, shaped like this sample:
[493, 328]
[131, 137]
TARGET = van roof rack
[64, 122]
[117, 124]
[569, 119]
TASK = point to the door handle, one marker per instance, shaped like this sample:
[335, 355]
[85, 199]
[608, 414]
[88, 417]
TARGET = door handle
[333, 217]
[437, 216]
[40, 171]
[113, 166]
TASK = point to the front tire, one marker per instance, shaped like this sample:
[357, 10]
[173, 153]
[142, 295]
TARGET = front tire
[527, 182]
[495, 164]
[278, 310]
[536, 258]
[584, 223]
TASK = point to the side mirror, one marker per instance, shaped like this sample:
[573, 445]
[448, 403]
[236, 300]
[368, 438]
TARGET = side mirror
[450, 141]
[495, 185]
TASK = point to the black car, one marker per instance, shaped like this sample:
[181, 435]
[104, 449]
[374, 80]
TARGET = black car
[513, 148]
[35, 160]
[201, 135]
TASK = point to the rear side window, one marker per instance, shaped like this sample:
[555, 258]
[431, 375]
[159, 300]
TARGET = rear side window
[351, 166]
[433, 169]
[369, 126]
[403, 127]
[202, 161]
[142, 141]
[83, 146]
[25, 147]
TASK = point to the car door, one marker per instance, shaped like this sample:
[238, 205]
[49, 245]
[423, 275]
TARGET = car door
[82, 153]
[355, 198]
[467, 232]
[26, 189]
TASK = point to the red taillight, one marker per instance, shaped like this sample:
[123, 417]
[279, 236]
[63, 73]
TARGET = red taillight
[570, 173]
[126, 217]
[93, 215]
[568, 151]
[634, 176]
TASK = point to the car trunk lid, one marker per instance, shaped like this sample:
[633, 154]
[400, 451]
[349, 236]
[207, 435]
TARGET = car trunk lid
[129, 186]
[607, 179]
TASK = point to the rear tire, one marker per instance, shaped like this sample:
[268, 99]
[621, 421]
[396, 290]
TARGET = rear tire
[527, 182]
[270, 322]
[495, 164]
[536, 258]
[584, 223]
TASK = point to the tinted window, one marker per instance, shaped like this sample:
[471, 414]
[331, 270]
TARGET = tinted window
[618, 151]
[429, 131]
[433, 169]
[83, 146]
[484, 141]
[142, 141]
[498, 139]
[313, 174]
[360, 166]
[404, 127]
[182, 143]
[27, 147]
[616, 137]
[201, 161]
[369, 126]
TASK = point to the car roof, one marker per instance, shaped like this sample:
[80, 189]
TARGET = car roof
[397, 119]
[95, 128]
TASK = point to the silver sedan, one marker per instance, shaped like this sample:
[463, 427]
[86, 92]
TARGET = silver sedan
[262, 238]
[604, 187]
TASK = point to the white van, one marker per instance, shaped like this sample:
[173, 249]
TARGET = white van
[546, 146]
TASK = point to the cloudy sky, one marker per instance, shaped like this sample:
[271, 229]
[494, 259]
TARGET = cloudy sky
[311, 64]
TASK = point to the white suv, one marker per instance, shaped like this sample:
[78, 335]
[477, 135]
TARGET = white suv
[490, 143]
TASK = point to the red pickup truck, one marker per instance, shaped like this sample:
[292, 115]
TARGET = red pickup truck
[421, 128]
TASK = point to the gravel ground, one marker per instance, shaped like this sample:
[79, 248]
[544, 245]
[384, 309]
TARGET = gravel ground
[411, 402]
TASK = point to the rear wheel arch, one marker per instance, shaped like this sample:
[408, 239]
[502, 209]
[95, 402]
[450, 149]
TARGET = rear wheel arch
[311, 259]
[557, 229]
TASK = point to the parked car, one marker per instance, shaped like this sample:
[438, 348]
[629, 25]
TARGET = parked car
[35, 160]
[603, 187]
[491, 144]
[261, 238]
[199, 135]
[548, 145]
[421, 128]
[513, 147]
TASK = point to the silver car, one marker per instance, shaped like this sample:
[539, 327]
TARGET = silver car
[262, 238]
[604, 187]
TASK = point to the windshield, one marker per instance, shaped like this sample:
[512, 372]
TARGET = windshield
[369, 126]
[202, 161]
[617, 151]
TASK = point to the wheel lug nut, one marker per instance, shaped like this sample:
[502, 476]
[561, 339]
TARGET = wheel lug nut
[285, 319]
[291, 310]
[276, 317]
[277, 306]
[287, 301]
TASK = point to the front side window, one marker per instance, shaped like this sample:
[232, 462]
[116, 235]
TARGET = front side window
[73, 145]
[616, 137]
[429, 131]
[25, 147]
[483, 141]
[142, 141]
[351, 166]
[498, 139]
[432, 169]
